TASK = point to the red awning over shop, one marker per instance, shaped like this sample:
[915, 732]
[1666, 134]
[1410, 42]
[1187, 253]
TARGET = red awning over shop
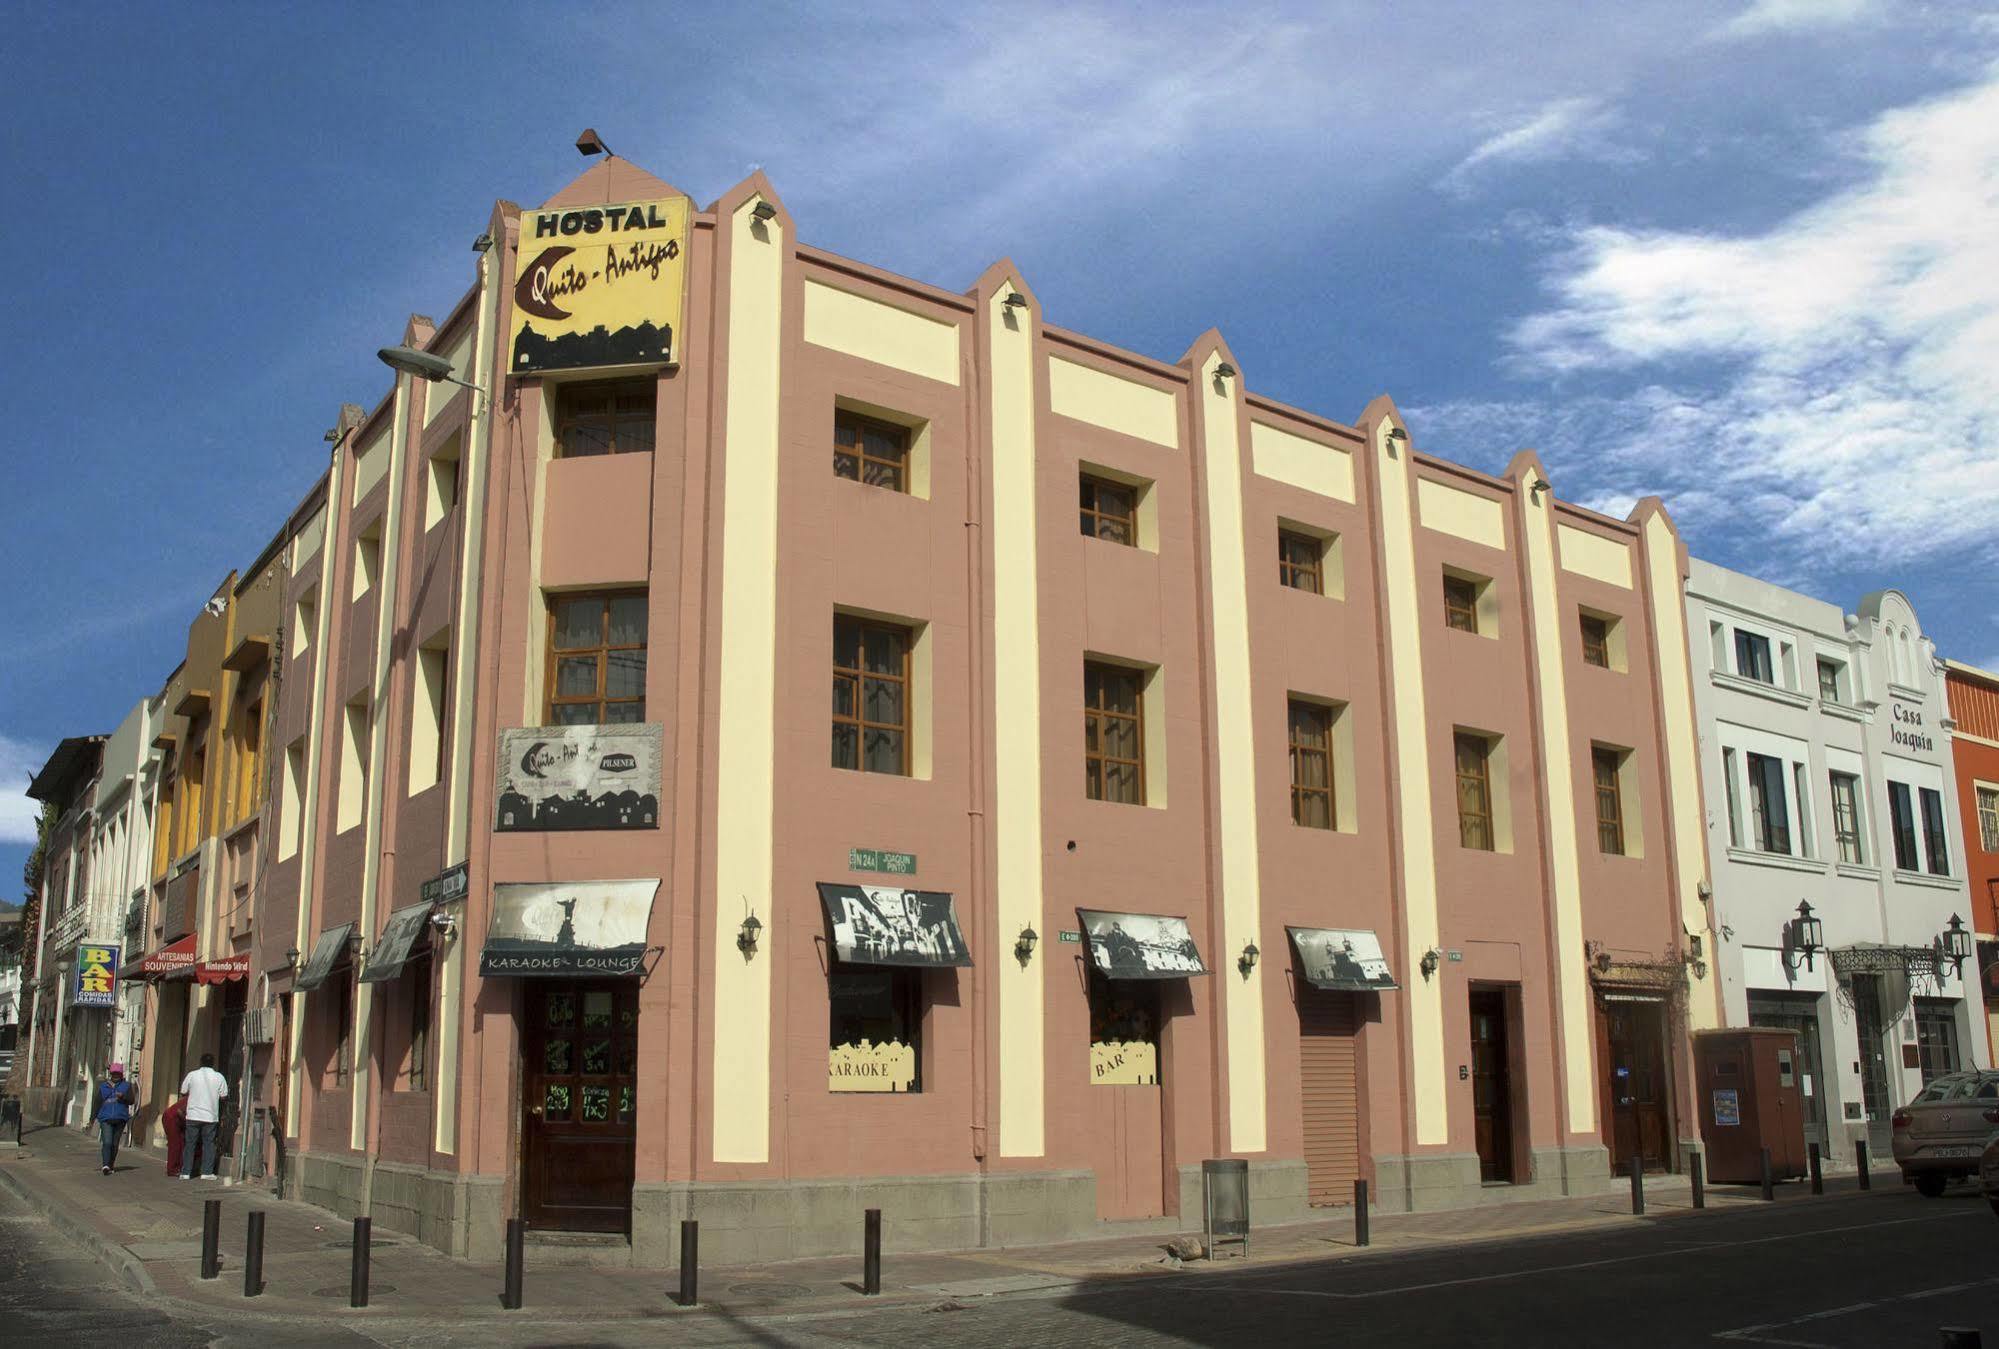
[175, 959]
[223, 970]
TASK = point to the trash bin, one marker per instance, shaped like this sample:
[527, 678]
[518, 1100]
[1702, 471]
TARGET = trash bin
[1749, 1098]
[1225, 1203]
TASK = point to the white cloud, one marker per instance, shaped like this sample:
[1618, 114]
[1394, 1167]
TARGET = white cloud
[1567, 128]
[1785, 16]
[1843, 359]
[19, 761]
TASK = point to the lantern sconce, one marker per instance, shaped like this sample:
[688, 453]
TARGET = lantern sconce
[291, 957]
[1956, 945]
[1804, 937]
[746, 939]
[1247, 960]
[1431, 960]
[1023, 945]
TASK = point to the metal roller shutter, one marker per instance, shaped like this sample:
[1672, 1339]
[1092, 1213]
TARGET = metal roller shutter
[1328, 1084]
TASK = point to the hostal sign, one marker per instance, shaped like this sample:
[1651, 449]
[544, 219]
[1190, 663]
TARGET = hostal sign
[600, 286]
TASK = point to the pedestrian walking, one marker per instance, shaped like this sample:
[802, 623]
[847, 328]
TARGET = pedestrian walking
[174, 1121]
[115, 1099]
[203, 1091]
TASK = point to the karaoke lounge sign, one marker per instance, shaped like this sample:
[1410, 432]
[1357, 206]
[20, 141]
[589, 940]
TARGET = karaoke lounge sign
[600, 286]
[96, 975]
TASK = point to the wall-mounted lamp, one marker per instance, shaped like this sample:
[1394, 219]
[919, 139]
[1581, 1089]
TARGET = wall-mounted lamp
[1704, 891]
[590, 143]
[291, 957]
[1015, 300]
[424, 365]
[445, 924]
[1956, 945]
[1023, 945]
[1247, 960]
[1431, 960]
[482, 243]
[763, 212]
[1804, 936]
[1225, 371]
[746, 939]
[1540, 485]
[1396, 436]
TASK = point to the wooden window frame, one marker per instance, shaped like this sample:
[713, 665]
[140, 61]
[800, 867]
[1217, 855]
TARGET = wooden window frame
[1986, 800]
[1476, 778]
[1845, 789]
[555, 655]
[1303, 793]
[1596, 640]
[1097, 717]
[1604, 768]
[1091, 488]
[1308, 575]
[863, 459]
[1460, 604]
[857, 678]
[1829, 674]
[612, 417]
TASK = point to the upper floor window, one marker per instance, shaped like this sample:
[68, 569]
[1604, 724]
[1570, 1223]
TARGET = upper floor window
[1988, 818]
[596, 659]
[1460, 603]
[1301, 561]
[1596, 641]
[1113, 733]
[595, 419]
[1311, 764]
[1604, 764]
[1769, 818]
[1846, 818]
[869, 451]
[1829, 681]
[1109, 510]
[1936, 843]
[1474, 776]
[1902, 823]
[870, 695]
[1752, 657]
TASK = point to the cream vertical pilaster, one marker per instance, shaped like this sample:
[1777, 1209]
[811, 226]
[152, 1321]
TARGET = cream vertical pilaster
[1235, 755]
[1558, 786]
[746, 736]
[1017, 705]
[1411, 767]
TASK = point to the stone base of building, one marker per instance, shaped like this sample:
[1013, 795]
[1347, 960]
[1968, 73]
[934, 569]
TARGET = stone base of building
[459, 1215]
[1428, 1182]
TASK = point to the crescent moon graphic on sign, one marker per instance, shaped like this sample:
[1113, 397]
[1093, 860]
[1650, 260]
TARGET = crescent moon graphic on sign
[527, 760]
[531, 291]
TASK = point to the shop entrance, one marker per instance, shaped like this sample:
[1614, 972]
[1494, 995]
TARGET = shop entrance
[1491, 1086]
[1799, 1012]
[579, 1103]
[1637, 1116]
[1329, 1092]
[1874, 1091]
[1130, 1146]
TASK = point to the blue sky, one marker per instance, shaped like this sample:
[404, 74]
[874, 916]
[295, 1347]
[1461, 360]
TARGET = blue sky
[1742, 253]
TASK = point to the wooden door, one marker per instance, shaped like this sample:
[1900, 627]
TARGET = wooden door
[1125, 1073]
[580, 1098]
[1491, 1086]
[1635, 1085]
[1329, 1093]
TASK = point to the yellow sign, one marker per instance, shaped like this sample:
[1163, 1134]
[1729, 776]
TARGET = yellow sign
[1124, 1063]
[96, 975]
[888, 1066]
[600, 286]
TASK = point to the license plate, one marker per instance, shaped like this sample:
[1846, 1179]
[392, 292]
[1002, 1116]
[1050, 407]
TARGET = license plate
[1951, 1152]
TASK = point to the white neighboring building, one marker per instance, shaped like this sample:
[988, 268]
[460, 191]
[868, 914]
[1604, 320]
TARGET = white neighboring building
[122, 843]
[1826, 766]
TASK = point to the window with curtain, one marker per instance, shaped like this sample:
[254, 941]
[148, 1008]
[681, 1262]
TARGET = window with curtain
[1109, 510]
[1988, 819]
[1113, 733]
[1460, 603]
[593, 419]
[1311, 737]
[1596, 641]
[596, 659]
[1301, 561]
[870, 695]
[1609, 801]
[1474, 778]
[869, 451]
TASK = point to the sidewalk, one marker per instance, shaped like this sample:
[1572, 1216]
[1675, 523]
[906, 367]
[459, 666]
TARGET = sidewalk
[147, 1229]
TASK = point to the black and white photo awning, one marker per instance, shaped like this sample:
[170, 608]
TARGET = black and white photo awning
[568, 929]
[887, 925]
[401, 937]
[1140, 945]
[327, 953]
[1341, 958]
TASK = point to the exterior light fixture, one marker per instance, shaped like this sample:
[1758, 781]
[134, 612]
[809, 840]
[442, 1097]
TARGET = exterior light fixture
[291, 957]
[1023, 945]
[446, 925]
[1225, 371]
[1541, 485]
[1804, 936]
[763, 211]
[746, 940]
[1396, 437]
[1015, 300]
[1247, 960]
[590, 143]
[1429, 963]
[1956, 945]
[482, 243]
[424, 365]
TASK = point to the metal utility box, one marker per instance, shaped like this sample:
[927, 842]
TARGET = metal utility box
[1750, 1098]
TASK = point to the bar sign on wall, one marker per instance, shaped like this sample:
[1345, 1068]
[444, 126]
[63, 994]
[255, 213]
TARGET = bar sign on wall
[874, 859]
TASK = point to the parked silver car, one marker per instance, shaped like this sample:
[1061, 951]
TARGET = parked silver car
[1941, 1135]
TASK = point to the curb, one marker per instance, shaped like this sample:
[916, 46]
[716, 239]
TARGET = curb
[131, 1271]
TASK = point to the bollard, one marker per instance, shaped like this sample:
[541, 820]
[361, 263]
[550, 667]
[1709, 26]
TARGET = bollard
[690, 1259]
[1698, 1171]
[510, 1295]
[1637, 1184]
[1769, 1191]
[211, 1239]
[1818, 1177]
[871, 1255]
[1860, 1160]
[253, 1256]
[1360, 1213]
[357, 1284]
[1961, 1337]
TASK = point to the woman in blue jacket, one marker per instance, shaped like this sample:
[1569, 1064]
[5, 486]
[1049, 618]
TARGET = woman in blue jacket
[115, 1100]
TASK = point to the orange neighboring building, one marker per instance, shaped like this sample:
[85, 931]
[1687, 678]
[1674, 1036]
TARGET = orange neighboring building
[1974, 707]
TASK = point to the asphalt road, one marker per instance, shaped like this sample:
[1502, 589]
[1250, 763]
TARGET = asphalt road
[1870, 1271]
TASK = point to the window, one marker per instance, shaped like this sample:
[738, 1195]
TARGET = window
[1769, 820]
[870, 695]
[1473, 753]
[1846, 817]
[1936, 1038]
[248, 786]
[1609, 801]
[291, 805]
[441, 484]
[1935, 842]
[427, 714]
[367, 559]
[1752, 657]
[305, 621]
[1109, 510]
[1902, 821]
[597, 659]
[193, 784]
[1311, 765]
[1829, 681]
[1301, 561]
[1596, 641]
[1460, 603]
[1988, 818]
[592, 419]
[1113, 734]
[1734, 799]
[353, 766]
[1124, 1031]
[341, 984]
[869, 451]
[416, 987]
[874, 1023]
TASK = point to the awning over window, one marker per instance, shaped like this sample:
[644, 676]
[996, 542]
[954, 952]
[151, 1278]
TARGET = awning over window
[327, 952]
[568, 929]
[223, 970]
[1341, 958]
[887, 925]
[1140, 945]
[174, 956]
[403, 935]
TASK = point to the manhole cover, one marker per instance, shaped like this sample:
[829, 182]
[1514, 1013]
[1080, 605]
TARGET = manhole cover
[373, 1245]
[770, 1289]
[374, 1290]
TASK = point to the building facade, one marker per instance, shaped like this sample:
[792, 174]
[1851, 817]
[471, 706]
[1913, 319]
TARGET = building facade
[1974, 745]
[66, 1034]
[1826, 742]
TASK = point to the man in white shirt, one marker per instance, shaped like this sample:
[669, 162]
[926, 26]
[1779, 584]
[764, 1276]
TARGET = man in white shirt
[204, 1090]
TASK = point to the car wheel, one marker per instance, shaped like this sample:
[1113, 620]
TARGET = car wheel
[1929, 1184]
